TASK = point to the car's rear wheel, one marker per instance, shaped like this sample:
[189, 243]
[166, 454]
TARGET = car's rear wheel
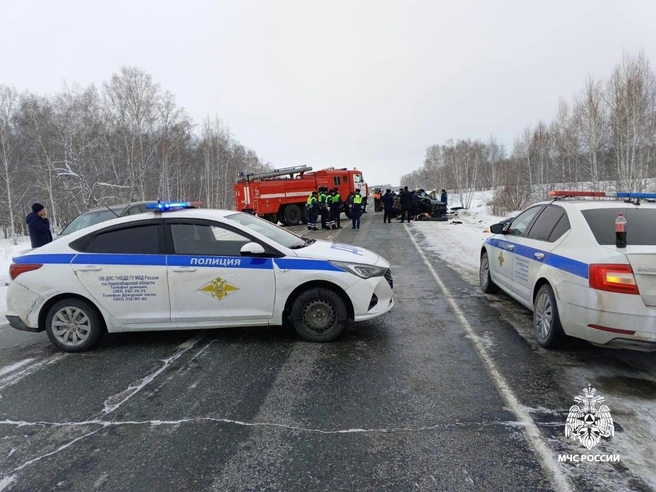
[546, 319]
[293, 215]
[74, 325]
[319, 315]
[485, 279]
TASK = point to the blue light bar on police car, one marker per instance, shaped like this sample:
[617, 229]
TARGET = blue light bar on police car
[166, 206]
[604, 194]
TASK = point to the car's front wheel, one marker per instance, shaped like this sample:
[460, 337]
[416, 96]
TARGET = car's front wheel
[74, 325]
[546, 319]
[319, 315]
[485, 279]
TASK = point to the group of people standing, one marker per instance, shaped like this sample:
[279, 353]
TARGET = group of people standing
[328, 205]
[408, 203]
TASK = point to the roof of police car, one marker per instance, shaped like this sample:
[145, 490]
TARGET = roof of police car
[584, 204]
[193, 213]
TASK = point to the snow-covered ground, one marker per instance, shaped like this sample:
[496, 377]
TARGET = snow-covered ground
[626, 379]
[7, 251]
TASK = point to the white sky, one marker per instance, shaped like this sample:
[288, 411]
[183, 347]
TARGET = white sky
[335, 83]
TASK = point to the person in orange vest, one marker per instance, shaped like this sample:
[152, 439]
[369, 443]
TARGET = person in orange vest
[377, 201]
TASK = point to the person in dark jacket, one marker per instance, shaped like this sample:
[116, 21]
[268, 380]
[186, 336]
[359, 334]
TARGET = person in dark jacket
[38, 226]
[415, 203]
[443, 197]
[388, 205]
[406, 204]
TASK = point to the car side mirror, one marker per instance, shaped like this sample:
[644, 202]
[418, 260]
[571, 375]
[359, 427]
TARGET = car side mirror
[498, 228]
[252, 249]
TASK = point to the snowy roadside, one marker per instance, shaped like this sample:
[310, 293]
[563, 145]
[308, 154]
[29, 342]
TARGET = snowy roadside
[626, 379]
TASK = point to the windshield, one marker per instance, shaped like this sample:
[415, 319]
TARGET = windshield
[641, 225]
[88, 219]
[266, 228]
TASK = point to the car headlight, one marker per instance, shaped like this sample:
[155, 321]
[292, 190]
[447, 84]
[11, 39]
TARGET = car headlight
[362, 271]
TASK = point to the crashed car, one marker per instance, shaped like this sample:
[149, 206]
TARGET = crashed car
[427, 205]
[102, 214]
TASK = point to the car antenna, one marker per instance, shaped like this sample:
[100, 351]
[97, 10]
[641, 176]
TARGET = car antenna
[107, 206]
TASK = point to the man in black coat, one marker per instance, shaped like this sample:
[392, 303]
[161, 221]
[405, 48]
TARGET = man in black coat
[38, 226]
[443, 197]
[406, 204]
[388, 205]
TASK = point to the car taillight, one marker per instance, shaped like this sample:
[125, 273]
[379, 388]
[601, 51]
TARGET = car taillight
[613, 278]
[16, 269]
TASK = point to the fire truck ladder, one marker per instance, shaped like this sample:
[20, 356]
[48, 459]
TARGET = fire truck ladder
[279, 172]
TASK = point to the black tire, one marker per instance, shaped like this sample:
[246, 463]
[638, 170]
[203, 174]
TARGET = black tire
[546, 319]
[484, 277]
[305, 216]
[281, 216]
[293, 215]
[85, 321]
[309, 310]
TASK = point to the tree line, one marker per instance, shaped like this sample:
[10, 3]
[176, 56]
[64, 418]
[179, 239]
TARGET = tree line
[87, 147]
[604, 139]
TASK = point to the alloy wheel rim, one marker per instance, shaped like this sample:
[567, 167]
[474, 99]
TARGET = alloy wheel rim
[484, 271]
[543, 316]
[71, 326]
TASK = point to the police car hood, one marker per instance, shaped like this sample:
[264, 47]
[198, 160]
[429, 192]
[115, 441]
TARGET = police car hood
[327, 250]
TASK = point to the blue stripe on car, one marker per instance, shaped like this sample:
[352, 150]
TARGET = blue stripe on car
[178, 260]
[559, 262]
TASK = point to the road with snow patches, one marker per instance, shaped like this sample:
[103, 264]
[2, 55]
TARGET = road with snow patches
[446, 392]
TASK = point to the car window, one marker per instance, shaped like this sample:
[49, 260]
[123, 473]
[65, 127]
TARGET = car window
[198, 239]
[267, 229]
[545, 223]
[561, 228]
[134, 211]
[641, 224]
[88, 219]
[143, 240]
[521, 222]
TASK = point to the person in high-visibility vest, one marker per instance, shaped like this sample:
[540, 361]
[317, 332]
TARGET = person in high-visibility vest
[335, 212]
[356, 211]
[329, 207]
[312, 206]
[323, 210]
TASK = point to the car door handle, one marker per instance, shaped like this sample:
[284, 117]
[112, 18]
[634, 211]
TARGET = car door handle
[91, 268]
[539, 256]
[183, 269]
[511, 247]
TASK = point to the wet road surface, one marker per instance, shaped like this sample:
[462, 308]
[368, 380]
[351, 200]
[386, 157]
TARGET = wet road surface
[440, 394]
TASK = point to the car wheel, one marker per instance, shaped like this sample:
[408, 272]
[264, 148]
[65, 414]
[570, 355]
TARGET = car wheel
[485, 279]
[74, 325]
[293, 215]
[319, 315]
[546, 319]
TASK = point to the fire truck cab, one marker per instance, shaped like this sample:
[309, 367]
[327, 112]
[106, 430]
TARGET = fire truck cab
[280, 195]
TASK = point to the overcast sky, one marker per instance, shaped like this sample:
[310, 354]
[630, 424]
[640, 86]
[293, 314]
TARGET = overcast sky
[335, 83]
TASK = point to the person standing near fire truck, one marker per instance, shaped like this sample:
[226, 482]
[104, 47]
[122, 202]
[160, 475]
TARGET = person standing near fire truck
[356, 210]
[335, 209]
[323, 210]
[313, 210]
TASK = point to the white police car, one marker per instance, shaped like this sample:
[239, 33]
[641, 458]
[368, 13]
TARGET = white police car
[181, 267]
[559, 259]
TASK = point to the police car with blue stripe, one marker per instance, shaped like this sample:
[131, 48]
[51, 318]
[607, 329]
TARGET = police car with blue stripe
[183, 267]
[565, 260]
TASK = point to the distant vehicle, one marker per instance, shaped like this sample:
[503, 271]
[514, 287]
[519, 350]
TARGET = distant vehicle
[560, 260]
[101, 214]
[183, 268]
[281, 195]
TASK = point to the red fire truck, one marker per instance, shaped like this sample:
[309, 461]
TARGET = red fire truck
[280, 195]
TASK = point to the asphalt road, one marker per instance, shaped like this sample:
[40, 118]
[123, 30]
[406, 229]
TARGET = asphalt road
[420, 399]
